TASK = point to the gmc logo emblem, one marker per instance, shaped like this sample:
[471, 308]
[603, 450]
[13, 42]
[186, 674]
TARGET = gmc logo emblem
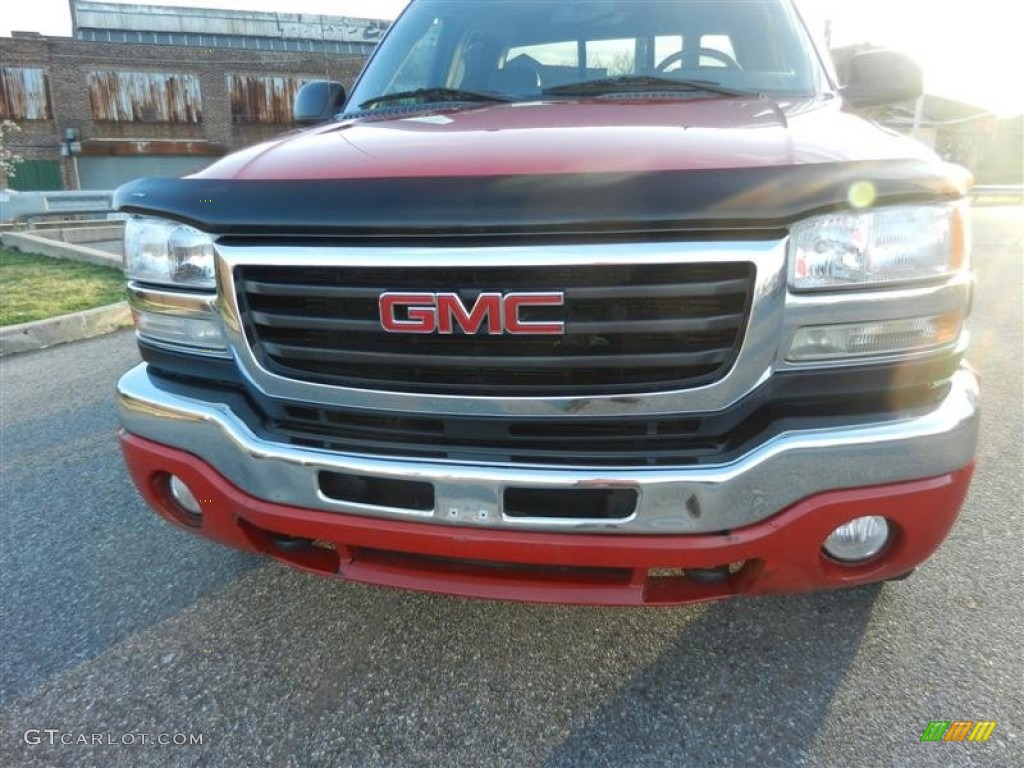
[444, 312]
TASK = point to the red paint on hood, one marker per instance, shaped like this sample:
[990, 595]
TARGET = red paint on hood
[572, 137]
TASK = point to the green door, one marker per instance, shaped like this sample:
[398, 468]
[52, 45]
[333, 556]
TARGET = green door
[37, 176]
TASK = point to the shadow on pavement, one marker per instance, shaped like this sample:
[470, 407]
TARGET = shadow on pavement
[750, 679]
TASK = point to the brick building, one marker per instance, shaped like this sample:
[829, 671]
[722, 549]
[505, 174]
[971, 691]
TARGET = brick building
[151, 91]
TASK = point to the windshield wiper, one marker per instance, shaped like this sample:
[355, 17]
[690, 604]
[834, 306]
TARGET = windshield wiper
[428, 95]
[640, 83]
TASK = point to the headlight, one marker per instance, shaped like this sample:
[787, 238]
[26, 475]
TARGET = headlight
[877, 247]
[169, 253]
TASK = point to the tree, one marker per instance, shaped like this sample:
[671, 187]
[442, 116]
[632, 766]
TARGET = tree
[9, 159]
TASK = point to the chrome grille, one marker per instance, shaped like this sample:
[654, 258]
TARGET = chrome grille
[628, 328]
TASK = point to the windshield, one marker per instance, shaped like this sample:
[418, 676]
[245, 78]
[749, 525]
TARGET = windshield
[440, 50]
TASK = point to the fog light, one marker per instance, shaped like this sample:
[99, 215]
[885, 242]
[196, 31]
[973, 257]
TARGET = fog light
[183, 496]
[859, 539]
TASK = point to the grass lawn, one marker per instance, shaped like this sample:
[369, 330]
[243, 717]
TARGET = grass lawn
[997, 200]
[34, 287]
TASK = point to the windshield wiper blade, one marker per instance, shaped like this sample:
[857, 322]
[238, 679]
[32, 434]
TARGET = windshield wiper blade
[634, 83]
[426, 95]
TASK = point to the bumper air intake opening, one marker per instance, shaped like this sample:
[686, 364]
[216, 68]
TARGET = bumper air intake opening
[680, 584]
[377, 491]
[315, 556]
[571, 503]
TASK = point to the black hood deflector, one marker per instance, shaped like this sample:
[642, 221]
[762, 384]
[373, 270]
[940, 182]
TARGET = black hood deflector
[664, 201]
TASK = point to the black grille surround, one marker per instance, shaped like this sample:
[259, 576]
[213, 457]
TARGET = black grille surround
[558, 442]
[798, 400]
[629, 328]
[695, 440]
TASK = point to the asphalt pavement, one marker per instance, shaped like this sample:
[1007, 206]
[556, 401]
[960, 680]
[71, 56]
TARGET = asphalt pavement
[119, 632]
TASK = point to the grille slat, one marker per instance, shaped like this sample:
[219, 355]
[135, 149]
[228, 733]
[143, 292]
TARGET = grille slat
[718, 288]
[628, 328]
[633, 453]
[654, 290]
[585, 327]
[632, 442]
[670, 360]
[317, 291]
[468, 387]
[487, 437]
[313, 323]
[674, 325]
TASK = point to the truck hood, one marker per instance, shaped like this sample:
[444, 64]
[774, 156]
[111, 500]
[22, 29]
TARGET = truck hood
[573, 137]
[539, 169]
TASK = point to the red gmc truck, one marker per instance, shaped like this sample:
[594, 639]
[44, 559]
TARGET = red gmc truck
[585, 301]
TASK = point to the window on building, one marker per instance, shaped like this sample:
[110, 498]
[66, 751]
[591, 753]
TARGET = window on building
[144, 97]
[24, 94]
[262, 99]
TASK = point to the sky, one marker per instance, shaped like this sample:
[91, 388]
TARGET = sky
[970, 50]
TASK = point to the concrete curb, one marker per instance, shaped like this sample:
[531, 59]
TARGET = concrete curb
[46, 246]
[60, 330]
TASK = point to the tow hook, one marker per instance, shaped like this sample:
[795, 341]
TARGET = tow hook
[708, 575]
[291, 543]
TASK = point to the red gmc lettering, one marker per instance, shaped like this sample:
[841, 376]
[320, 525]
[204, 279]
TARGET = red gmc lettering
[449, 307]
[422, 319]
[443, 312]
[516, 300]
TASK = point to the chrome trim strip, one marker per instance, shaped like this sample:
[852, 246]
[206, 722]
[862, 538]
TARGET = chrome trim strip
[769, 478]
[167, 301]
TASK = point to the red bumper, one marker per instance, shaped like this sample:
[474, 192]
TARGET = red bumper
[779, 555]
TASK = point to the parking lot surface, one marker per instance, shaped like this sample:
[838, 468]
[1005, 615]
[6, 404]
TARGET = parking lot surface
[116, 625]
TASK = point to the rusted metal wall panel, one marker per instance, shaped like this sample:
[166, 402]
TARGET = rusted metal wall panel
[216, 21]
[257, 99]
[24, 94]
[145, 97]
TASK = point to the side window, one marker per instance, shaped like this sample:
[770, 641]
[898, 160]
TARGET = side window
[553, 63]
[666, 45]
[548, 55]
[611, 57]
[720, 43]
[560, 62]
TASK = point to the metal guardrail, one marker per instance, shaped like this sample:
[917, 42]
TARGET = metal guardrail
[26, 206]
[998, 190]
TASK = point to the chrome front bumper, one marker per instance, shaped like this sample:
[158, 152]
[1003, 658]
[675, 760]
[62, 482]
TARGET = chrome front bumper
[773, 476]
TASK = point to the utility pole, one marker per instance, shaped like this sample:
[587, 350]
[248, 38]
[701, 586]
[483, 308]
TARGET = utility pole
[918, 116]
[74, 18]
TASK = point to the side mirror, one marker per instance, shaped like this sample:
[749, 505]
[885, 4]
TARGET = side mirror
[882, 77]
[317, 102]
